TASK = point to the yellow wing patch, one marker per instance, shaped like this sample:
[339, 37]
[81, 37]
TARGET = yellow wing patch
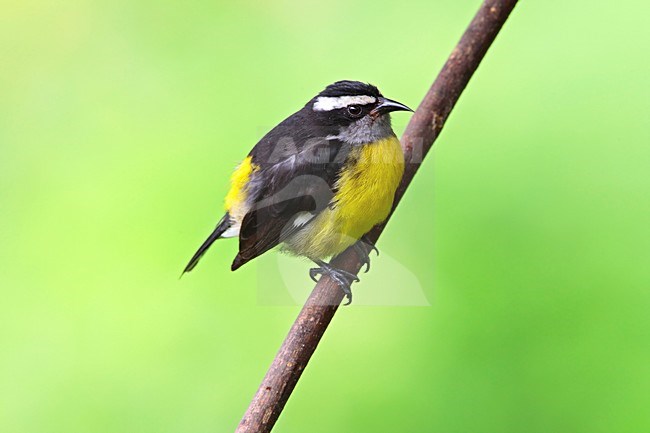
[238, 181]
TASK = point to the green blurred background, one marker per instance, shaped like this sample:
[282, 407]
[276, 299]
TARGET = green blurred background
[527, 229]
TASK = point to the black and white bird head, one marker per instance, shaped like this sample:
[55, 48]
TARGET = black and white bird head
[353, 112]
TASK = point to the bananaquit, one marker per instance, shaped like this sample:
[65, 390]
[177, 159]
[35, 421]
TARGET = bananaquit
[317, 182]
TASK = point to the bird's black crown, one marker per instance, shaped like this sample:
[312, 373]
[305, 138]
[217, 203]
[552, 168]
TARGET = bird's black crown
[350, 88]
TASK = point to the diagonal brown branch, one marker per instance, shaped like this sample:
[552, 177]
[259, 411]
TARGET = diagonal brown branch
[418, 138]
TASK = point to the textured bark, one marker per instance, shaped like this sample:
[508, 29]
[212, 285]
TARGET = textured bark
[419, 136]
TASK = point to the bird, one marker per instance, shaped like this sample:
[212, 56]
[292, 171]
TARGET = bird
[316, 183]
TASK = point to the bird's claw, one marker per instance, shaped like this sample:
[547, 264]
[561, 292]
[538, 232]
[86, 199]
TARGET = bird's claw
[363, 249]
[364, 258]
[312, 274]
[367, 242]
[343, 278]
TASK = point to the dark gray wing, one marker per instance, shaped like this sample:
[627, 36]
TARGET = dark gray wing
[297, 186]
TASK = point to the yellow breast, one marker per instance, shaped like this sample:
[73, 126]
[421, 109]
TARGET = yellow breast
[364, 197]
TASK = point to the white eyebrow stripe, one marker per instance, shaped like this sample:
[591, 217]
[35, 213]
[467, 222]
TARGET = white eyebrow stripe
[329, 103]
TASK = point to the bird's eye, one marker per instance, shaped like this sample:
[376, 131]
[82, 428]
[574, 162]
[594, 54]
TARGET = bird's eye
[354, 110]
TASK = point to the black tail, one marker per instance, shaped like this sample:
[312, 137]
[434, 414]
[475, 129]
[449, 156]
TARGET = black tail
[218, 231]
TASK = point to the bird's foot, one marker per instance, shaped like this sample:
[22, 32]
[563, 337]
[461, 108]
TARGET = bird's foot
[363, 249]
[343, 278]
[362, 252]
[369, 244]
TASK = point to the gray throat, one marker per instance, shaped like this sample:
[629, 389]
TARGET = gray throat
[365, 130]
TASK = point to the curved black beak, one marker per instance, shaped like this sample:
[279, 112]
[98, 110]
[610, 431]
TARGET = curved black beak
[386, 105]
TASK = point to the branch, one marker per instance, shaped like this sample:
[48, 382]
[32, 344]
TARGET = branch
[418, 138]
